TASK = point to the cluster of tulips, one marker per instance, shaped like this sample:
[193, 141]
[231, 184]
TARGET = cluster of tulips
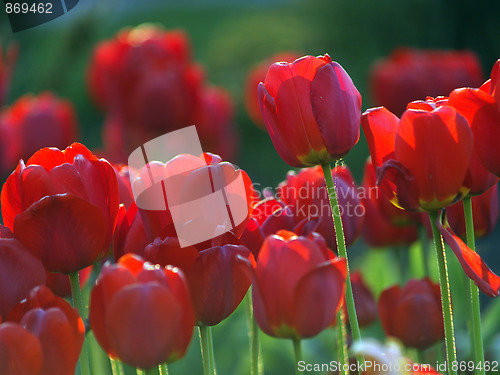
[70, 219]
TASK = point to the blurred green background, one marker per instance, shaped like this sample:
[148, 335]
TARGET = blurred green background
[228, 38]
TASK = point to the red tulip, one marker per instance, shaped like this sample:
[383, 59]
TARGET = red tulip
[311, 110]
[306, 194]
[60, 285]
[54, 326]
[382, 217]
[214, 119]
[291, 275]
[124, 188]
[420, 172]
[217, 280]
[20, 351]
[481, 107]
[141, 314]
[20, 271]
[413, 313]
[408, 75]
[34, 122]
[366, 308]
[129, 235]
[62, 206]
[484, 212]
[146, 81]
[256, 75]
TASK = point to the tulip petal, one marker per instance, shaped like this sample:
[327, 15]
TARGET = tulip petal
[398, 185]
[472, 264]
[336, 101]
[268, 109]
[20, 351]
[324, 288]
[48, 158]
[380, 126]
[66, 232]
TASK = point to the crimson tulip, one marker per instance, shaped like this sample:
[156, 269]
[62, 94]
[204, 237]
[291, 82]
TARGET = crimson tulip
[293, 274]
[385, 224]
[47, 322]
[419, 172]
[484, 212]
[34, 122]
[20, 271]
[62, 206]
[409, 74]
[256, 75]
[217, 280]
[306, 194]
[141, 314]
[311, 110]
[413, 313]
[130, 234]
[481, 107]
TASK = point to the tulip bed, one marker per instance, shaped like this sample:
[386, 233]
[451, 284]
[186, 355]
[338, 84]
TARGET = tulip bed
[374, 254]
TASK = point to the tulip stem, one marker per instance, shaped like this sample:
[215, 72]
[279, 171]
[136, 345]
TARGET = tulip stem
[253, 334]
[74, 280]
[341, 247]
[475, 313]
[297, 351]
[342, 342]
[151, 371]
[207, 350]
[163, 369]
[444, 283]
[116, 367]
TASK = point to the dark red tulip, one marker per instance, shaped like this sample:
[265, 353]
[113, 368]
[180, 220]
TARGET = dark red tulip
[60, 285]
[129, 235]
[418, 171]
[306, 194]
[484, 212]
[293, 273]
[62, 205]
[124, 188]
[413, 313]
[145, 79]
[481, 107]
[256, 75]
[34, 122]
[409, 74]
[141, 314]
[217, 279]
[366, 308]
[20, 271]
[20, 351]
[385, 224]
[214, 119]
[311, 110]
[55, 325]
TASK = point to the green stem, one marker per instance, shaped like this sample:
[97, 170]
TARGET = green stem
[207, 351]
[451, 354]
[253, 334]
[342, 341]
[74, 280]
[152, 371]
[341, 247]
[163, 369]
[116, 367]
[297, 351]
[475, 326]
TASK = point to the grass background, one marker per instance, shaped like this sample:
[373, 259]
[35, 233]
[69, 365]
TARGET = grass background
[228, 38]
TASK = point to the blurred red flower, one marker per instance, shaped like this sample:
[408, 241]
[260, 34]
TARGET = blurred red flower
[50, 327]
[311, 110]
[481, 107]
[7, 69]
[293, 273]
[364, 301]
[34, 122]
[62, 205]
[419, 172]
[409, 74]
[306, 195]
[20, 271]
[134, 300]
[413, 313]
[256, 75]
